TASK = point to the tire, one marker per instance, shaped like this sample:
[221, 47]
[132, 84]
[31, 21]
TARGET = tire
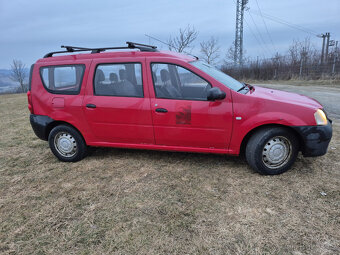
[272, 150]
[67, 144]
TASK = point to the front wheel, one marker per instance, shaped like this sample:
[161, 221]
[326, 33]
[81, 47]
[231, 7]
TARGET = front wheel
[272, 150]
[67, 144]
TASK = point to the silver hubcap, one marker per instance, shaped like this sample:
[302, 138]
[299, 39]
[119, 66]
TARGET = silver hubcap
[65, 144]
[276, 152]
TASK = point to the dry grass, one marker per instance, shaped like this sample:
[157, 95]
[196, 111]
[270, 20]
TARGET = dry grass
[144, 202]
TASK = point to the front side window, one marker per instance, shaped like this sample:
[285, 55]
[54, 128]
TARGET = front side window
[123, 79]
[175, 82]
[218, 75]
[62, 79]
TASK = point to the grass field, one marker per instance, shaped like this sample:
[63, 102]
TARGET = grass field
[119, 201]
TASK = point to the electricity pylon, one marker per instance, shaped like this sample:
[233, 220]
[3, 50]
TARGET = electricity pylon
[238, 51]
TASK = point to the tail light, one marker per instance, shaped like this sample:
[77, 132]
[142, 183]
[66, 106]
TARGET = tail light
[29, 99]
[29, 95]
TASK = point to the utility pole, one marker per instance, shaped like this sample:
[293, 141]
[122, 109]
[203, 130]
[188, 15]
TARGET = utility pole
[335, 57]
[238, 51]
[303, 59]
[323, 36]
[324, 56]
[327, 45]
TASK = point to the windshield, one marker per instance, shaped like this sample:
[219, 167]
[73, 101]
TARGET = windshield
[218, 75]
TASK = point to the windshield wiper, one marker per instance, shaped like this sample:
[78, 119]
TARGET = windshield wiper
[243, 87]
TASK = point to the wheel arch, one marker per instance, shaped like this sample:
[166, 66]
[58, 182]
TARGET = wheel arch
[252, 131]
[55, 123]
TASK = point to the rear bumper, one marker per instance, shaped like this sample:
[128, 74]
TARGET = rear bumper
[316, 139]
[40, 124]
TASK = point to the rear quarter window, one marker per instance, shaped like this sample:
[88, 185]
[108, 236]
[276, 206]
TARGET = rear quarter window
[65, 79]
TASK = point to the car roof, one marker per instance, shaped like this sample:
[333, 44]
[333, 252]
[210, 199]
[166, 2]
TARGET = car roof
[118, 54]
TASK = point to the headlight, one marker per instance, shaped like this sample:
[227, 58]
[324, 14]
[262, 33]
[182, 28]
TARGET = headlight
[320, 117]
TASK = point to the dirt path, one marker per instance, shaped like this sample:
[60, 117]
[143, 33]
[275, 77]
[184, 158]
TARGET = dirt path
[329, 97]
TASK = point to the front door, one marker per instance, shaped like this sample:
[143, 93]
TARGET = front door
[181, 114]
[116, 104]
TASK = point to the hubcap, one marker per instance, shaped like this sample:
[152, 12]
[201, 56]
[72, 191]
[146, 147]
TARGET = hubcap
[65, 144]
[276, 152]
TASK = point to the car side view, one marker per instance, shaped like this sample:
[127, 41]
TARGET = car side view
[142, 98]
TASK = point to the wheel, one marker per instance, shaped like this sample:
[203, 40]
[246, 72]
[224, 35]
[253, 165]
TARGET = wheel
[272, 150]
[67, 144]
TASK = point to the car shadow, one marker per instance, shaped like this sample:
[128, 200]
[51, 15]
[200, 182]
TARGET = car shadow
[191, 158]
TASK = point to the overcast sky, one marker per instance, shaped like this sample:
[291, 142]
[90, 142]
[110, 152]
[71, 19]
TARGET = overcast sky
[29, 29]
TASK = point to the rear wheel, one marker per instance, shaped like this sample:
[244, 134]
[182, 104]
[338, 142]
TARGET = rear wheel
[272, 150]
[67, 144]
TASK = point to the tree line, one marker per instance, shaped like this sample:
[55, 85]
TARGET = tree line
[301, 61]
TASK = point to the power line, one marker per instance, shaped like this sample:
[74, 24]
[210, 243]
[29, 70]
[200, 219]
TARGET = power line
[254, 35]
[260, 35]
[270, 38]
[238, 12]
[283, 22]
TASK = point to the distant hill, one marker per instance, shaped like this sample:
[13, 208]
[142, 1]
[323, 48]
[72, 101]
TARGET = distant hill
[7, 85]
[5, 71]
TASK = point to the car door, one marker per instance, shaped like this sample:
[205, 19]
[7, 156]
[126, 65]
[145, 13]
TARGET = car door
[117, 103]
[181, 114]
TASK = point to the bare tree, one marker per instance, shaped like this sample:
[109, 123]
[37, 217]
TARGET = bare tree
[229, 57]
[302, 48]
[183, 40]
[210, 50]
[19, 73]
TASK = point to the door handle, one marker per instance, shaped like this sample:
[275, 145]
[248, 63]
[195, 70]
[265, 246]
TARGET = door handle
[161, 110]
[91, 106]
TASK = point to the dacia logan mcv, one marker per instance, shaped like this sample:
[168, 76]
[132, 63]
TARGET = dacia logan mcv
[139, 97]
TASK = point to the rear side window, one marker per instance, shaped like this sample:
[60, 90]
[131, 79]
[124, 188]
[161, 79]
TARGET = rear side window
[119, 79]
[64, 79]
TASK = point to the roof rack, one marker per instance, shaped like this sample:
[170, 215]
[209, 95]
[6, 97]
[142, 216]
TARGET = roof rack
[130, 45]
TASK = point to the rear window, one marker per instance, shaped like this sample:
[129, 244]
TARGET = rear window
[64, 79]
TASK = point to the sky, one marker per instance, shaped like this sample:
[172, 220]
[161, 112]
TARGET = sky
[29, 29]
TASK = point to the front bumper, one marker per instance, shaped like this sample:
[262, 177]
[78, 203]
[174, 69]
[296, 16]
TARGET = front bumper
[40, 124]
[315, 138]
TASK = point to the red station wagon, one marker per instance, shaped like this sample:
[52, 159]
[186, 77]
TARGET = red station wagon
[142, 98]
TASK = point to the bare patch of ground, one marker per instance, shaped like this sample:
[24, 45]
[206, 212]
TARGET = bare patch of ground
[120, 201]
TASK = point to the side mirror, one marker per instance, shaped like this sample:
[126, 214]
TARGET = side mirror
[215, 94]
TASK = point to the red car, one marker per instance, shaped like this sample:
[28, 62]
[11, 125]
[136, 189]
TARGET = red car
[143, 98]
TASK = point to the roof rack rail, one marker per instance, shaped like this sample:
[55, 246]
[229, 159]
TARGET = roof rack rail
[130, 45]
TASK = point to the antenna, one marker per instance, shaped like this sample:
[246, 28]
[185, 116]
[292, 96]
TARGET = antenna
[154, 38]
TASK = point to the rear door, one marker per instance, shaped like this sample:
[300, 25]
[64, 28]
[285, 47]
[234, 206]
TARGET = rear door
[181, 114]
[58, 88]
[117, 103]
